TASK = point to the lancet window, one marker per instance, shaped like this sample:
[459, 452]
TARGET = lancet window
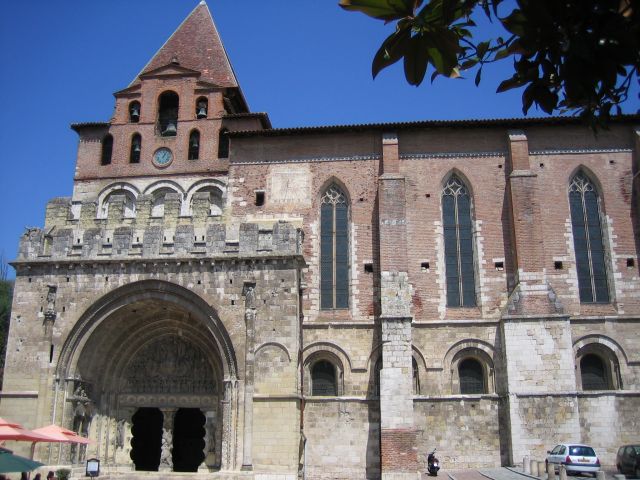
[584, 203]
[334, 249]
[458, 244]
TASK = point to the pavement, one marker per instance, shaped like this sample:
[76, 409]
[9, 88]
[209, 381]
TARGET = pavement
[506, 473]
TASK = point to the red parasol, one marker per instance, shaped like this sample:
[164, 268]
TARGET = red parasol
[14, 431]
[54, 433]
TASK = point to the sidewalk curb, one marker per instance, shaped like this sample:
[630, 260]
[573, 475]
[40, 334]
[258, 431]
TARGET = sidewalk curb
[511, 469]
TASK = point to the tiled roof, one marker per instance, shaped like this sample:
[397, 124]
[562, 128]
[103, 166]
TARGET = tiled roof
[196, 45]
[471, 123]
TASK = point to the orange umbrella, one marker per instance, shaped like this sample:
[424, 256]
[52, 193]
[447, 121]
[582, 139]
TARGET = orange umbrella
[54, 433]
[14, 431]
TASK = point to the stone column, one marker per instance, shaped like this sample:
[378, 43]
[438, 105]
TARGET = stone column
[209, 442]
[398, 452]
[166, 452]
[535, 331]
[250, 318]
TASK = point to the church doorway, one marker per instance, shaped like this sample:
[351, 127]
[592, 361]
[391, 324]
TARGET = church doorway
[147, 438]
[188, 440]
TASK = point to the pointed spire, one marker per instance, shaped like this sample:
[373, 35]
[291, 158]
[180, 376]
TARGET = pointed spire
[196, 45]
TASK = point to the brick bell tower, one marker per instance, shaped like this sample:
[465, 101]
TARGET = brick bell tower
[173, 117]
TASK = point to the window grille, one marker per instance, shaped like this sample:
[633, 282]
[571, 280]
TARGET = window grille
[334, 249]
[323, 379]
[471, 376]
[458, 244]
[587, 240]
[593, 373]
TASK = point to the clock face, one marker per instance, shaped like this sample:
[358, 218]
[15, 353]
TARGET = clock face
[162, 157]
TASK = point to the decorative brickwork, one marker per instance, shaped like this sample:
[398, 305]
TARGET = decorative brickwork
[177, 284]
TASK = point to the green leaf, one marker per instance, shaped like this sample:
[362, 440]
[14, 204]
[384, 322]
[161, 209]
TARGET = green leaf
[527, 97]
[391, 50]
[478, 75]
[482, 49]
[381, 9]
[416, 60]
[508, 84]
[515, 23]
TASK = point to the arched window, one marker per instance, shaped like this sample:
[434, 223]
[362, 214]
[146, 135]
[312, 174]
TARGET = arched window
[215, 200]
[323, 379]
[223, 144]
[129, 207]
[458, 244]
[159, 200]
[136, 147]
[376, 376]
[194, 145]
[334, 249]
[416, 376]
[587, 240]
[168, 106]
[593, 373]
[202, 107]
[107, 150]
[471, 376]
[134, 112]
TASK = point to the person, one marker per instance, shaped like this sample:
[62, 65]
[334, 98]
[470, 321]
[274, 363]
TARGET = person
[24, 476]
[50, 475]
[38, 476]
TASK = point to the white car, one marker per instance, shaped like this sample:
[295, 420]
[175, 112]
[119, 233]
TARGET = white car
[575, 458]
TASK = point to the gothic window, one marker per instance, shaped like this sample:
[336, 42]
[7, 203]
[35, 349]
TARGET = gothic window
[334, 249]
[168, 105]
[202, 107]
[471, 376]
[136, 147]
[458, 244]
[223, 144]
[587, 240]
[194, 145]
[593, 373]
[134, 112]
[107, 150]
[323, 379]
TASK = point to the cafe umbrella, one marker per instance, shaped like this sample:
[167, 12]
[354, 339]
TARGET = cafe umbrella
[15, 463]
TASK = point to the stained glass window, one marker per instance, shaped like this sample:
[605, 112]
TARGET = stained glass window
[334, 249]
[587, 240]
[458, 244]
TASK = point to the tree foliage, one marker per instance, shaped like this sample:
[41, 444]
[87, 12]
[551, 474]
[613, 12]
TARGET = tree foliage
[6, 295]
[570, 56]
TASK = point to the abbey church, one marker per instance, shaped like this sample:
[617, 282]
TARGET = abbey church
[223, 297]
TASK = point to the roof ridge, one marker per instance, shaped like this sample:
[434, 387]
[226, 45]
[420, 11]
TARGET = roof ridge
[202, 2]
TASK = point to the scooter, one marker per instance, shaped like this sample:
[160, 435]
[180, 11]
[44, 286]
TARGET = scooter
[433, 464]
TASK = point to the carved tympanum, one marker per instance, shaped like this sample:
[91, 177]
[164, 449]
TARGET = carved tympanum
[169, 365]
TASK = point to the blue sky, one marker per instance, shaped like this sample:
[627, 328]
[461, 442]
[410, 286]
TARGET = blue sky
[305, 62]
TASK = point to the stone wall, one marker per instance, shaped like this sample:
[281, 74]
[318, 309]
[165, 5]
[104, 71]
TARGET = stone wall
[342, 439]
[463, 429]
[609, 420]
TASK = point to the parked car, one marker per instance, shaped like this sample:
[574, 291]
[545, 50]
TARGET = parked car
[628, 460]
[575, 458]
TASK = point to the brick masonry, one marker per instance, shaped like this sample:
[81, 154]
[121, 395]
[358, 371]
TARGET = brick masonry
[139, 256]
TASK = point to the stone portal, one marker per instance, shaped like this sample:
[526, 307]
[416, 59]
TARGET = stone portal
[188, 440]
[147, 437]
